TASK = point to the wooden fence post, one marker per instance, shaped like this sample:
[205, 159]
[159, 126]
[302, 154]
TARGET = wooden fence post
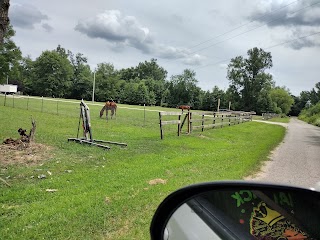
[189, 122]
[222, 121]
[179, 125]
[214, 120]
[161, 132]
[202, 122]
[144, 114]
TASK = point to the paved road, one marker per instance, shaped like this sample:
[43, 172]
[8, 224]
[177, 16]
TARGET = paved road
[297, 159]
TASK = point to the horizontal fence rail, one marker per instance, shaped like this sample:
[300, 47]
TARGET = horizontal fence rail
[204, 120]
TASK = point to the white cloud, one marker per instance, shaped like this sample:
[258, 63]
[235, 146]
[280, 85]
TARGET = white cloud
[115, 28]
[194, 60]
[223, 65]
[27, 16]
[126, 31]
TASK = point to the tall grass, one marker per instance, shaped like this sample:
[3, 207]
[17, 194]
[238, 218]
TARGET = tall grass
[106, 194]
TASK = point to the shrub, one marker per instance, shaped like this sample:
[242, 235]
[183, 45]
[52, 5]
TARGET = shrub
[311, 115]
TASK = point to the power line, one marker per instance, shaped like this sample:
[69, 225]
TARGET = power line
[236, 28]
[273, 46]
[299, 10]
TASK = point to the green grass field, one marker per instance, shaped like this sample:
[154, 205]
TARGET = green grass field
[105, 194]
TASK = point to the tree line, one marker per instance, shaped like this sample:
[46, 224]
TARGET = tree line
[61, 73]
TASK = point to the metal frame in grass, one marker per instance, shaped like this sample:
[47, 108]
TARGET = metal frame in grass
[87, 133]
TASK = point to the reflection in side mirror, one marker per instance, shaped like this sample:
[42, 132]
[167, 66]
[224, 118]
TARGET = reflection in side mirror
[238, 210]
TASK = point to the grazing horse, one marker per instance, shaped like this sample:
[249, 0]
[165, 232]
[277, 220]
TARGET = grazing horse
[109, 105]
[184, 107]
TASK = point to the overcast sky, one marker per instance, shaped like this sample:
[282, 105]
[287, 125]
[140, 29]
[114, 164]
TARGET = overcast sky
[199, 35]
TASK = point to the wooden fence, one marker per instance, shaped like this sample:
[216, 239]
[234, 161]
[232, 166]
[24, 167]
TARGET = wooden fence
[216, 119]
[203, 120]
[162, 123]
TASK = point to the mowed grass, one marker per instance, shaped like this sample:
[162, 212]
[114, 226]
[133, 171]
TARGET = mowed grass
[106, 194]
[277, 119]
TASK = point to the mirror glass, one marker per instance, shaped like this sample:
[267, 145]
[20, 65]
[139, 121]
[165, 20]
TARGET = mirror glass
[247, 214]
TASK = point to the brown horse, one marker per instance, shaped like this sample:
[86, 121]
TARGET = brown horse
[184, 107]
[109, 106]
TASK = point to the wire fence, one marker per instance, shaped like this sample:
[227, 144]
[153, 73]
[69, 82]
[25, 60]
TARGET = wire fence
[42, 104]
[140, 116]
[137, 115]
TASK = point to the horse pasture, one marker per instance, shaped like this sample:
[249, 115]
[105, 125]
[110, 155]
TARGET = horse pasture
[75, 191]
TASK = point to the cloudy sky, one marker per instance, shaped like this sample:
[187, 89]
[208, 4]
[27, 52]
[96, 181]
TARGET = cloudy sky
[199, 35]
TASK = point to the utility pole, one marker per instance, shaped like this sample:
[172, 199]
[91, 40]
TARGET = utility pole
[4, 19]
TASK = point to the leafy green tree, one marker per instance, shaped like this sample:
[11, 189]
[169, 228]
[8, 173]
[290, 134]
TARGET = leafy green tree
[248, 78]
[314, 96]
[27, 74]
[107, 82]
[264, 102]
[62, 51]
[282, 99]
[300, 102]
[296, 107]
[219, 94]
[82, 79]
[234, 97]
[53, 74]
[153, 76]
[183, 90]
[131, 93]
[151, 70]
[128, 74]
[318, 90]
[142, 94]
[10, 55]
[208, 101]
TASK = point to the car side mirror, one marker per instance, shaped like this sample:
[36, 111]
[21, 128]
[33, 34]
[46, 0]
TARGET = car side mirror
[238, 210]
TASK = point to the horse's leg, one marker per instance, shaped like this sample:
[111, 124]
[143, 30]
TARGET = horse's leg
[107, 113]
[115, 112]
[112, 112]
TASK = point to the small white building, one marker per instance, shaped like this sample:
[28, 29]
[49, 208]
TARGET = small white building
[8, 88]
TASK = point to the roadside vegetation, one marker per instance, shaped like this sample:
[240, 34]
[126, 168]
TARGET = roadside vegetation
[91, 193]
[311, 115]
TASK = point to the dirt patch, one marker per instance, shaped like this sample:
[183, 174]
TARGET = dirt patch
[157, 181]
[24, 153]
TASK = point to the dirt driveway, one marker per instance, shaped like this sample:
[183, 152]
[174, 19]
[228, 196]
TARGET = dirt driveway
[297, 159]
